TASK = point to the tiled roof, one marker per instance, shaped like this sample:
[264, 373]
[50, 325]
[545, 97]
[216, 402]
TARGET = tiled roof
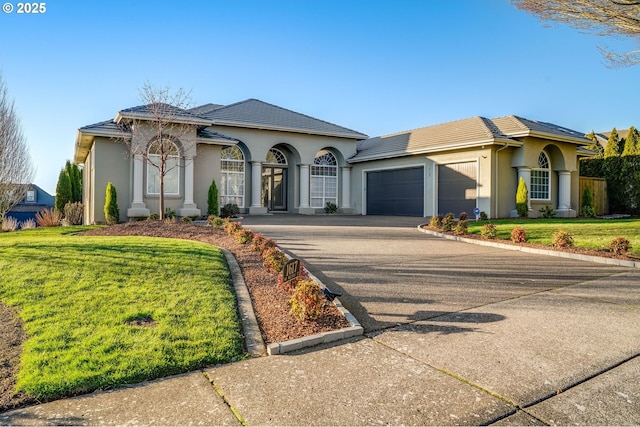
[208, 134]
[163, 110]
[452, 135]
[253, 113]
[515, 126]
[460, 134]
[205, 109]
[106, 127]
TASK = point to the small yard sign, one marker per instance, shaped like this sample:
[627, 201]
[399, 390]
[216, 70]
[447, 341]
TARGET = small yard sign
[291, 270]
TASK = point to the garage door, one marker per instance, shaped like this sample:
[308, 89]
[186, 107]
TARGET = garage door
[457, 187]
[396, 192]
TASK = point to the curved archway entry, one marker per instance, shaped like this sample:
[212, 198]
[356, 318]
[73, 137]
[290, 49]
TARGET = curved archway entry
[274, 181]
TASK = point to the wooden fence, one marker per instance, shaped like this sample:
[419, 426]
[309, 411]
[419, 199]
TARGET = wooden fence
[599, 188]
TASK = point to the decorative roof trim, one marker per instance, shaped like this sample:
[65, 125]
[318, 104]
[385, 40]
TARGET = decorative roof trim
[429, 150]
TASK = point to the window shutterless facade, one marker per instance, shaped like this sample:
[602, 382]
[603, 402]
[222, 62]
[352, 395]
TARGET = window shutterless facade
[540, 179]
[324, 179]
[172, 167]
[232, 176]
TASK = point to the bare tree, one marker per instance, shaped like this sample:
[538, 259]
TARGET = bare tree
[600, 17]
[16, 170]
[155, 132]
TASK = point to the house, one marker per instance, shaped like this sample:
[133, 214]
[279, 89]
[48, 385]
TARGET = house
[35, 200]
[266, 158]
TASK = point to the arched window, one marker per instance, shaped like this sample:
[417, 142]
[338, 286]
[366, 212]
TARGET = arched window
[324, 179]
[168, 153]
[540, 182]
[232, 176]
[275, 157]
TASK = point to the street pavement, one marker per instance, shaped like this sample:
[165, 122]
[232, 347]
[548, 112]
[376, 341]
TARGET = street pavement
[455, 334]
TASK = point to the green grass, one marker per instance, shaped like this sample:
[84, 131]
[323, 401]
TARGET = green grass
[587, 233]
[77, 293]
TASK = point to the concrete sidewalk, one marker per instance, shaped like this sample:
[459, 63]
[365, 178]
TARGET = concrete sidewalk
[456, 335]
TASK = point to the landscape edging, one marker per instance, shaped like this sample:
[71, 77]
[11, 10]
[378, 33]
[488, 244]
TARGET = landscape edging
[551, 252]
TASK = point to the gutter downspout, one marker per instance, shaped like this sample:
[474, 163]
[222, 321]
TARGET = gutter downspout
[506, 144]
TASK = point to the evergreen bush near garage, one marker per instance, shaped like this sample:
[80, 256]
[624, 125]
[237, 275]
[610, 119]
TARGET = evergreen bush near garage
[619, 246]
[461, 227]
[229, 210]
[562, 239]
[448, 222]
[488, 231]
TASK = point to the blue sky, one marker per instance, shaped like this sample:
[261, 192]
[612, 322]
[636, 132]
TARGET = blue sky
[375, 66]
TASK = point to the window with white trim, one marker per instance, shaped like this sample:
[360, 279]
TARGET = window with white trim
[31, 196]
[232, 176]
[324, 179]
[171, 154]
[275, 157]
[540, 179]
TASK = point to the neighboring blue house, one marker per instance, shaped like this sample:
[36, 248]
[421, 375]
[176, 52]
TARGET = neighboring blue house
[35, 201]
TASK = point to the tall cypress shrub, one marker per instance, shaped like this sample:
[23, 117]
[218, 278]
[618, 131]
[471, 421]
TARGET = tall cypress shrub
[522, 199]
[111, 212]
[63, 191]
[613, 145]
[212, 199]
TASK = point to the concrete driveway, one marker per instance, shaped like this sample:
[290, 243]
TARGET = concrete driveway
[520, 326]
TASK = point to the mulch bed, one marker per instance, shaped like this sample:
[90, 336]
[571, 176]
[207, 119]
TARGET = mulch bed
[270, 302]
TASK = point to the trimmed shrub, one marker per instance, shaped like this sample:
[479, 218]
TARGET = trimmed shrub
[522, 199]
[489, 231]
[547, 212]
[244, 236]
[212, 199]
[307, 301]
[619, 246]
[518, 235]
[274, 259]
[562, 239]
[261, 243]
[48, 218]
[463, 216]
[186, 219]
[330, 208]
[154, 216]
[231, 227]
[436, 222]
[229, 210]
[483, 216]
[10, 224]
[111, 211]
[461, 228]
[73, 213]
[169, 213]
[215, 221]
[449, 222]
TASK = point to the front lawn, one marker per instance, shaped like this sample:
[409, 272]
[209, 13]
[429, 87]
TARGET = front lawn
[105, 311]
[587, 233]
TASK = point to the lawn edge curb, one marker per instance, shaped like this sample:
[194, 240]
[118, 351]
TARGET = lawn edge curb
[550, 252]
[251, 331]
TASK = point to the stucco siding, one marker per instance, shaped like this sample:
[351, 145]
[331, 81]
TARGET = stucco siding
[206, 169]
[110, 164]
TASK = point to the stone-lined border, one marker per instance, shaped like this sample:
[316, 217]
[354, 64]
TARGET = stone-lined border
[581, 257]
[252, 336]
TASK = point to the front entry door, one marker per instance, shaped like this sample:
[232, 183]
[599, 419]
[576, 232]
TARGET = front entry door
[274, 188]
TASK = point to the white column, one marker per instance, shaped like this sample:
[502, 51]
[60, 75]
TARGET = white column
[345, 202]
[138, 207]
[564, 193]
[304, 186]
[256, 189]
[189, 207]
